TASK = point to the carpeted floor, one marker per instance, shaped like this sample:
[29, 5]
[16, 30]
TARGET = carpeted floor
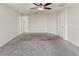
[39, 44]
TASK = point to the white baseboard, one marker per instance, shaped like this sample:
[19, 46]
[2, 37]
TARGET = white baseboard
[73, 43]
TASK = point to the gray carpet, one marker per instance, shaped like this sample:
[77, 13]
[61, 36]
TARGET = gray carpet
[39, 44]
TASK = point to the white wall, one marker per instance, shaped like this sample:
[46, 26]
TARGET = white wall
[51, 23]
[73, 23]
[9, 24]
[42, 23]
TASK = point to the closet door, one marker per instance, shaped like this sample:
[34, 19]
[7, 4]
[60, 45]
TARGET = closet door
[24, 24]
[61, 24]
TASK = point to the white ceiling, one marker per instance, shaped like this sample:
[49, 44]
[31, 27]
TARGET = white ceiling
[24, 8]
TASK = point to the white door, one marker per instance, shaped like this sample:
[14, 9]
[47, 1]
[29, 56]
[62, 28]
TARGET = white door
[61, 24]
[24, 24]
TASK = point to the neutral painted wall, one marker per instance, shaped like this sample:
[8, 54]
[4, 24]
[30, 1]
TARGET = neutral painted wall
[37, 23]
[9, 24]
[51, 23]
[73, 23]
[42, 23]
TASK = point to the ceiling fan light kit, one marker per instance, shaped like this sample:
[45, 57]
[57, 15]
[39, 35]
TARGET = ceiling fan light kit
[42, 6]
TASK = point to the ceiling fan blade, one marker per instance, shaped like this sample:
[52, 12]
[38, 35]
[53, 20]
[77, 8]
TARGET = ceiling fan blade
[35, 4]
[47, 4]
[47, 8]
[34, 8]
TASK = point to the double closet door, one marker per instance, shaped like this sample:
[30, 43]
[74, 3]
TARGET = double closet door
[61, 24]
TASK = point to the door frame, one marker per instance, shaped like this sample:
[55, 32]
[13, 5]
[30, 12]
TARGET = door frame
[65, 23]
[66, 32]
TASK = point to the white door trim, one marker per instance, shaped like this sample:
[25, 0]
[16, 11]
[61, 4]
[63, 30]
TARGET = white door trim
[66, 38]
[65, 22]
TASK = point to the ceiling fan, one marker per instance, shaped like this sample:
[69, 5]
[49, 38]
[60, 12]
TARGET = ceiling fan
[41, 6]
